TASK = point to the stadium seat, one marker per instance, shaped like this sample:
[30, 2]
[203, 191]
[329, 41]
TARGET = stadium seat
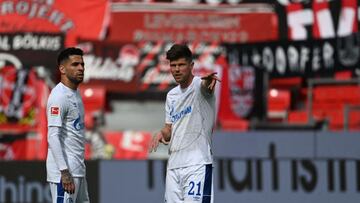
[286, 83]
[329, 102]
[299, 117]
[278, 103]
[338, 93]
[94, 99]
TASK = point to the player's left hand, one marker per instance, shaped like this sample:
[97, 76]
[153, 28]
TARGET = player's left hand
[67, 181]
[211, 80]
[156, 139]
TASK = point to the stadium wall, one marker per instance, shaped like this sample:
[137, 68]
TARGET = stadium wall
[253, 167]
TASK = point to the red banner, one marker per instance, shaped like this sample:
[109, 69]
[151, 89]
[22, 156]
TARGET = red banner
[18, 99]
[22, 114]
[111, 65]
[129, 144]
[304, 20]
[86, 19]
[134, 67]
[242, 93]
[206, 24]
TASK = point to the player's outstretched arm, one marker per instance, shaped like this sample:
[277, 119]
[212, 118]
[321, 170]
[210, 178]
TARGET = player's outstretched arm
[163, 136]
[209, 81]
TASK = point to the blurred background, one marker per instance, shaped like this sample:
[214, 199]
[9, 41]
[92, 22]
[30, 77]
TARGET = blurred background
[288, 106]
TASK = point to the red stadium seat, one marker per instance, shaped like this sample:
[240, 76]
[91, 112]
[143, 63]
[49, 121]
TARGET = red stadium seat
[94, 98]
[338, 93]
[330, 101]
[286, 83]
[298, 117]
[278, 103]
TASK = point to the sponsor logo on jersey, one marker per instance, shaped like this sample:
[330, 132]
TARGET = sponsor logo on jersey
[54, 111]
[181, 114]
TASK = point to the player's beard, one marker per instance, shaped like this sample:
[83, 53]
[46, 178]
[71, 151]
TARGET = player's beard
[76, 80]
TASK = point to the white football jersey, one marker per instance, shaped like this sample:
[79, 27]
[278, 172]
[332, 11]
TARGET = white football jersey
[191, 112]
[65, 109]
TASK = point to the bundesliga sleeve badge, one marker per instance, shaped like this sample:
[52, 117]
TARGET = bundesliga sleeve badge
[54, 111]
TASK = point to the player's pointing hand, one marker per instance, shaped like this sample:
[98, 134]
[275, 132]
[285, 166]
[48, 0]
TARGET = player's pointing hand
[210, 80]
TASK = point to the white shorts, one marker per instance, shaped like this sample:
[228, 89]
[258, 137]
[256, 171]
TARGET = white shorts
[60, 196]
[189, 184]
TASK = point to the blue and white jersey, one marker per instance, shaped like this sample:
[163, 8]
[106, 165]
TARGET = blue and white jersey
[191, 112]
[65, 109]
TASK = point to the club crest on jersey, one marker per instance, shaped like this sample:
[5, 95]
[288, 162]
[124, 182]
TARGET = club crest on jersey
[78, 125]
[54, 111]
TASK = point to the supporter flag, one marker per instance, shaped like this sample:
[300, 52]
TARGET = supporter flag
[83, 18]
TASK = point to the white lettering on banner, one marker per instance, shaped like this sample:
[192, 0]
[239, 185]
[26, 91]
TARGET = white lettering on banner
[131, 141]
[4, 43]
[190, 35]
[346, 21]
[328, 53]
[154, 76]
[107, 69]
[23, 190]
[5, 57]
[304, 56]
[276, 59]
[186, 21]
[268, 59]
[293, 57]
[37, 10]
[280, 60]
[316, 59]
[298, 20]
[256, 58]
[204, 48]
[326, 26]
[35, 42]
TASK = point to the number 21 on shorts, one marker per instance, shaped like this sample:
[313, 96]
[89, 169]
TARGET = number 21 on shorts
[194, 189]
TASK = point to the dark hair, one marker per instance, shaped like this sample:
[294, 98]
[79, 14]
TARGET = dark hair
[66, 53]
[178, 51]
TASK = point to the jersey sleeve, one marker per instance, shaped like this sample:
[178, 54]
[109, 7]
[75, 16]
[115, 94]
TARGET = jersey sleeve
[56, 148]
[56, 110]
[168, 111]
